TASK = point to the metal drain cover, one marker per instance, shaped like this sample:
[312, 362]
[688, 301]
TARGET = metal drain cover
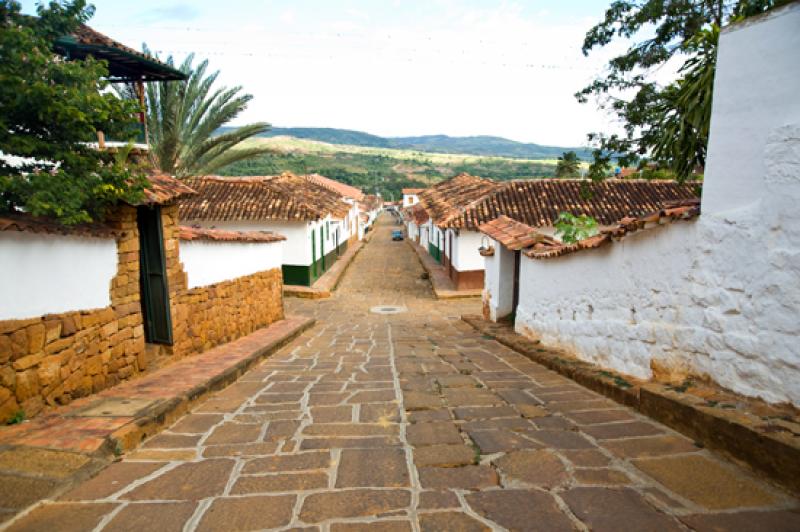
[387, 309]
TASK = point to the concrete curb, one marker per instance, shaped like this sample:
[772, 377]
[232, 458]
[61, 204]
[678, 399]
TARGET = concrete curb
[739, 435]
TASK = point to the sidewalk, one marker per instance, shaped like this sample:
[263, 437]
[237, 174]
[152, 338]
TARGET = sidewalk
[51, 452]
[326, 284]
[746, 430]
[442, 286]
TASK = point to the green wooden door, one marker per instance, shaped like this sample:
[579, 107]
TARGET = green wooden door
[154, 290]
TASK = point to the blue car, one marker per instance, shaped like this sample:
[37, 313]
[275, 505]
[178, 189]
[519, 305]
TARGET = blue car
[397, 235]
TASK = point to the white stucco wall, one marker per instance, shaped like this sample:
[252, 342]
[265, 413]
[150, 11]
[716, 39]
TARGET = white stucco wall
[720, 296]
[207, 262]
[48, 274]
[296, 248]
[424, 231]
[498, 290]
[465, 252]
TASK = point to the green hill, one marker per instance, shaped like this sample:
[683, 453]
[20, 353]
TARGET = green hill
[475, 145]
[380, 169]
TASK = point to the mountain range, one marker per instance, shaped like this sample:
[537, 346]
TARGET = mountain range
[483, 145]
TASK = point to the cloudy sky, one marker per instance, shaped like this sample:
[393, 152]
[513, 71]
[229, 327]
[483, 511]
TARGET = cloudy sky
[391, 67]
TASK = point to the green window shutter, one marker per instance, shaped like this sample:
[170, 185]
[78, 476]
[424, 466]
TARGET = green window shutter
[154, 289]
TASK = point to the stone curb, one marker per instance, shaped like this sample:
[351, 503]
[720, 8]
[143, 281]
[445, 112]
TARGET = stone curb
[153, 419]
[330, 280]
[438, 292]
[734, 433]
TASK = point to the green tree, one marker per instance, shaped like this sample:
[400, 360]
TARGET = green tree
[571, 228]
[183, 118]
[668, 124]
[50, 109]
[568, 165]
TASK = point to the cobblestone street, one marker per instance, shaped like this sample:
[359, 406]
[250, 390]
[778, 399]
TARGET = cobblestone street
[412, 421]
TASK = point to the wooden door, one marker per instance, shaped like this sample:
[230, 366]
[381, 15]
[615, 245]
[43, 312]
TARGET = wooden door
[154, 289]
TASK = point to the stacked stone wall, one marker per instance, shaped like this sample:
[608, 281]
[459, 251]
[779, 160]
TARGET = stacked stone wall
[53, 359]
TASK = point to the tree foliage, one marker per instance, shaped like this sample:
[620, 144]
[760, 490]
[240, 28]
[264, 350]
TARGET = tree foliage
[50, 109]
[183, 116]
[568, 165]
[571, 228]
[666, 124]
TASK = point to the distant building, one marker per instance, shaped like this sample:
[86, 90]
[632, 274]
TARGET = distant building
[318, 221]
[411, 196]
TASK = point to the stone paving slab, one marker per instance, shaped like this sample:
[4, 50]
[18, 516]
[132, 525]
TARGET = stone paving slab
[55, 450]
[746, 430]
[312, 455]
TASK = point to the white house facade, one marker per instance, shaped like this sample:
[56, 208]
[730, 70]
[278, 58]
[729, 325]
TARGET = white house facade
[715, 296]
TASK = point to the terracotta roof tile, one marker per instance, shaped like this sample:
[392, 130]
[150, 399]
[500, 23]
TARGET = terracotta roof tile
[417, 213]
[446, 200]
[35, 224]
[512, 234]
[548, 247]
[370, 203]
[284, 197]
[412, 190]
[341, 188]
[219, 235]
[164, 189]
[538, 202]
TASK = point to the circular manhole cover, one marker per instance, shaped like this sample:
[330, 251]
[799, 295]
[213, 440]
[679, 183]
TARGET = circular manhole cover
[387, 309]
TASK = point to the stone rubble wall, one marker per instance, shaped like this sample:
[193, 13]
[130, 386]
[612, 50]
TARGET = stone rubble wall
[53, 359]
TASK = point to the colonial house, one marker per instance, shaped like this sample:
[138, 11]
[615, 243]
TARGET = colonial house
[416, 218]
[671, 294]
[87, 306]
[313, 217]
[369, 207]
[410, 196]
[355, 197]
[522, 213]
[454, 247]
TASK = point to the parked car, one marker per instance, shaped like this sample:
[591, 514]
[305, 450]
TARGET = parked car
[397, 235]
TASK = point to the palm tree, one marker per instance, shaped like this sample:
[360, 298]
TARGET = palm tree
[183, 117]
[568, 165]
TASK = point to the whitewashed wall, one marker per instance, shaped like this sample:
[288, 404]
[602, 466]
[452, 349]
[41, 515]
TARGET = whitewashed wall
[296, 247]
[209, 262]
[424, 231]
[465, 253]
[498, 290]
[720, 296]
[48, 274]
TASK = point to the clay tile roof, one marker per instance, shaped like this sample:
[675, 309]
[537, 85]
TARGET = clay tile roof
[417, 213]
[35, 224]
[412, 190]
[218, 235]
[512, 234]
[681, 210]
[124, 63]
[446, 200]
[369, 203]
[538, 202]
[164, 189]
[284, 197]
[341, 188]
